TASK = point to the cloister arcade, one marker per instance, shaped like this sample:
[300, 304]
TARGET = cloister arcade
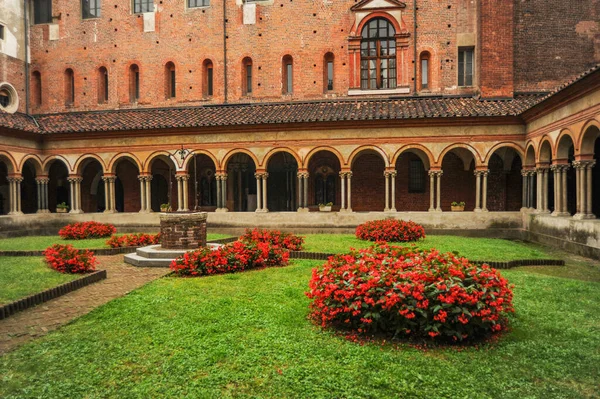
[550, 175]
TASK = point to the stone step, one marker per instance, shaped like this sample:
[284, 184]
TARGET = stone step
[156, 252]
[136, 260]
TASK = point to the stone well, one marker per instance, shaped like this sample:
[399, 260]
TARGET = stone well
[183, 230]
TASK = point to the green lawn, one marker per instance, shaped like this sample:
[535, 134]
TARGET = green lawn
[23, 276]
[246, 335]
[33, 243]
[489, 249]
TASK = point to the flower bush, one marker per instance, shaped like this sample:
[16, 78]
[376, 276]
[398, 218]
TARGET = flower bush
[390, 230]
[408, 292]
[235, 257]
[67, 259]
[274, 237]
[133, 240]
[81, 231]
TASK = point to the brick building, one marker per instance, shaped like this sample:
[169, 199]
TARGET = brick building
[280, 105]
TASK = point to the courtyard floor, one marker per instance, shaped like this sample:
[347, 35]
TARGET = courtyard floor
[246, 335]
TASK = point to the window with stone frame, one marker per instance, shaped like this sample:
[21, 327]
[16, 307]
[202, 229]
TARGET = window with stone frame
[378, 55]
[287, 74]
[328, 72]
[42, 11]
[198, 3]
[90, 8]
[142, 6]
[465, 66]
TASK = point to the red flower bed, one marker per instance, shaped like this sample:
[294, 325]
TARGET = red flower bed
[81, 231]
[230, 258]
[274, 237]
[390, 230]
[396, 292]
[133, 240]
[66, 259]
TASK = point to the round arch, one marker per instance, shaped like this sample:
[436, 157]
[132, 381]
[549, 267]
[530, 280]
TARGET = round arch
[123, 155]
[587, 138]
[464, 146]
[235, 151]
[36, 161]
[529, 155]
[50, 160]
[562, 144]
[419, 150]
[545, 151]
[371, 148]
[274, 151]
[315, 150]
[165, 156]
[504, 145]
[192, 153]
[378, 14]
[84, 159]
[7, 158]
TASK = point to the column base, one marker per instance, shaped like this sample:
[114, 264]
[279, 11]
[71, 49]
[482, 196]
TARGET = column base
[477, 210]
[584, 216]
[438, 209]
[222, 210]
[431, 210]
[144, 211]
[346, 210]
[15, 213]
[302, 210]
[43, 211]
[484, 210]
[76, 212]
[524, 209]
[261, 211]
[110, 211]
[545, 212]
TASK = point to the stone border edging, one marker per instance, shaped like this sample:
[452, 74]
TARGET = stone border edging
[51, 293]
[98, 251]
[495, 264]
[223, 240]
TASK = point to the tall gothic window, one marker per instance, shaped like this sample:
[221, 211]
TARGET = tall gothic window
[69, 87]
[134, 83]
[170, 82]
[247, 76]
[102, 85]
[207, 86]
[287, 74]
[378, 55]
[328, 72]
[465, 66]
[42, 11]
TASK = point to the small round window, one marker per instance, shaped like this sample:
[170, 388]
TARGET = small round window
[9, 100]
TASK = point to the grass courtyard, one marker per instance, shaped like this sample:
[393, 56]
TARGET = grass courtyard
[246, 335]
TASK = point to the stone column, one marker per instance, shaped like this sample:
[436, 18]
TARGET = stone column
[545, 192]
[349, 191]
[219, 197]
[109, 193]
[15, 195]
[564, 201]
[305, 191]
[149, 193]
[531, 189]
[42, 190]
[185, 182]
[393, 195]
[524, 190]
[386, 176]
[439, 191]
[223, 192]
[264, 192]
[556, 170]
[258, 177]
[300, 191]
[343, 189]
[477, 190]
[580, 190]
[143, 201]
[431, 191]
[590, 188]
[75, 188]
[484, 176]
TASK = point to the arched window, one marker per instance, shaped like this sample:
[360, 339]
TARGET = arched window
[170, 80]
[102, 85]
[247, 76]
[378, 55]
[36, 88]
[287, 77]
[328, 72]
[425, 65]
[69, 87]
[134, 83]
[207, 87]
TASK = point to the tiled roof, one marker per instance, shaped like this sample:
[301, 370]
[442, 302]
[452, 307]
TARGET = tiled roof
[277, 113]
[18, 121]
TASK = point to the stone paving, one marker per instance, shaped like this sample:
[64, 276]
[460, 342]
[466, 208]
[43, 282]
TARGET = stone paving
[38, 321]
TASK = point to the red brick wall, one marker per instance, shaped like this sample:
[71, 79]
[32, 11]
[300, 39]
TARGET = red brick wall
[554, 41]
[12, 70]
[368, 183]
[128, 173]
[496, 59]
[458, 184]
[405, 200]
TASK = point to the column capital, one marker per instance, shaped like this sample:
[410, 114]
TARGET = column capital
[184, 177]
[42, 180]
[435, 172]
[345, 174]
[15, 179]
[303, 175]
[109, 179]
[584, 164]
[389, 173]
[261, 175]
